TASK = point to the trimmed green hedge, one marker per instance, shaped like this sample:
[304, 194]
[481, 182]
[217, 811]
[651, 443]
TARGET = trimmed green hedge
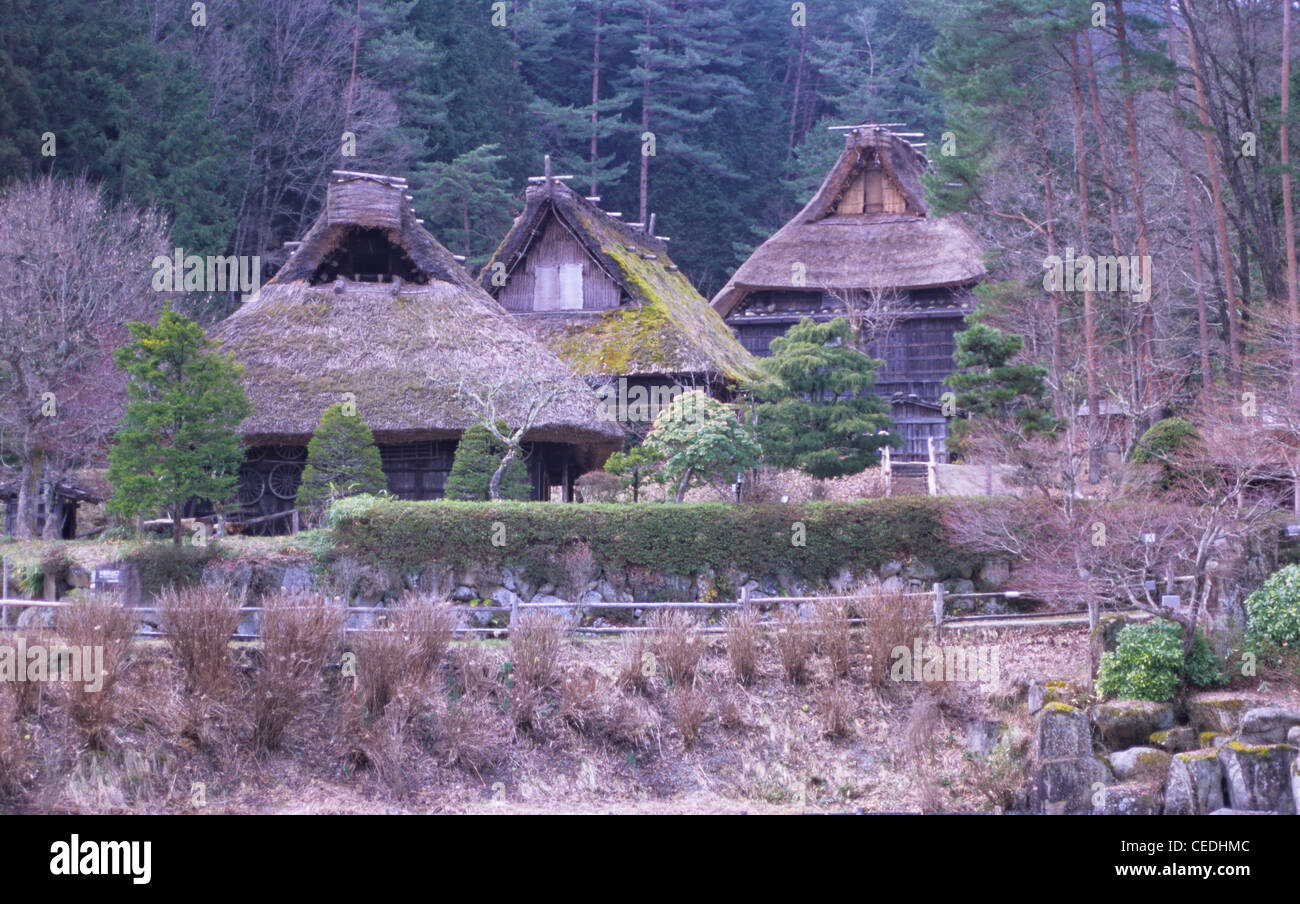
[681, 539]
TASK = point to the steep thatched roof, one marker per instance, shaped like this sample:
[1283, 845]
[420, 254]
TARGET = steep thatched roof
[901, 247]
[663, 326]
[402, 348]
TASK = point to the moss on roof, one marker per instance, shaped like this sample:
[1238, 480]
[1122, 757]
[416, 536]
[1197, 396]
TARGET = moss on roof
[666, 326]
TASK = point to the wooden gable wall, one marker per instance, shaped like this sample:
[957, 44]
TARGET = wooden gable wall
[872, 190]
[555, 272]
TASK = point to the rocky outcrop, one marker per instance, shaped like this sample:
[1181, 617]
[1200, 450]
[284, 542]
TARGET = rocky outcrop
[1259, 777]
[1195, 784]
[1269, 724]
[1129, 723]
[1067, 775]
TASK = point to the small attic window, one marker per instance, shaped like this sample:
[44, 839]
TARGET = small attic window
[871, 191]
[367, 254]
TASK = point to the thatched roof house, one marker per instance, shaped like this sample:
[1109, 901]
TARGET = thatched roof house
[866, 247]
[371, 309]
[605, 296]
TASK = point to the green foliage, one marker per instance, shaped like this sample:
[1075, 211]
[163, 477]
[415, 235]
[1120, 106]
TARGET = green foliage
[1164, 442]
[817, 412]
[163, 565]
[342, 460]
[1273, 611]
[405, 537]
[1148, 663]
[992, 389]
[478, 455]
[1204, 667]
[699, 438]
[635, 467]
[178, 440]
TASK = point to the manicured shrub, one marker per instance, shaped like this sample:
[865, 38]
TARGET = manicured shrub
[342, 460]
[1147, 663]
[478, 455]
[1273, 611]
[811, 542]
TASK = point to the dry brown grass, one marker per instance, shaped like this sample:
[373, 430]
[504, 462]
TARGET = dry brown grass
[676, 644]
[382, 658]
[427, 626]
[894, 619]
[199, 622]
[98, 623]
[794, 645]
[744, 640]
[836, 707]
[28, 695]
[688, 707]
[834, 636]
[636, 664]
[13, 750]
[583, 699]
[301, 634]
[535, 644]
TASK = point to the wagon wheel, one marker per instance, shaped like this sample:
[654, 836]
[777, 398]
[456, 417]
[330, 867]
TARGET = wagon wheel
[255, 453]
[252, 486]
[290, 453]
[284, 480]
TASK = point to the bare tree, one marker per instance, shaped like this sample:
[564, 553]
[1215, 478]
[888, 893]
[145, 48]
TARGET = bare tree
[73, 271]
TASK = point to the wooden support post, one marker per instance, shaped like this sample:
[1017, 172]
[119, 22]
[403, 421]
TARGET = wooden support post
[938, 605]
[887, 470]
[931, 470]
[293, 521]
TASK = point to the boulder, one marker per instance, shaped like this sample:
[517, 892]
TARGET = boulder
[889, 569]
[1217, 711]
[1293, 736]
[1268, 724]
[565, 612]
[1128, 723]
[1069, 786]
[982, 735]
[1137, 762]
[1130, 799]
[916, 570]
[1063, 732]
[995, 573]
[1258, 777]
[296, 579]
[1195, 784]
[1174, 740]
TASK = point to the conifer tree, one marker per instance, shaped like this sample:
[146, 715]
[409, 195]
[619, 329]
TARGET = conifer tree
[342, 460]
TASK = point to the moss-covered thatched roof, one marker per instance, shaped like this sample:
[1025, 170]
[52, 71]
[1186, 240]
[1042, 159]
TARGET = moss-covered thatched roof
[403, 349]
[820, 249]
[663, 325]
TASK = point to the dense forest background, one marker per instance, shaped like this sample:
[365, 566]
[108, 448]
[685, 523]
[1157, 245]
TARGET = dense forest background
[232, 127]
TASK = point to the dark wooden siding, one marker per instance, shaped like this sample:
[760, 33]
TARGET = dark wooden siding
[554, 248]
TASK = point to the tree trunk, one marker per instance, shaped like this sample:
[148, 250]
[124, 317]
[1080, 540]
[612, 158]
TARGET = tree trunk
[595, 100]
[1288, 216]
[645, 124]
[1089, 309]
[1220, 214]
[1146, 359]
[683, 484]
[1193, 221]
[798, 87]
[28, 491]
[494, 486]
[176, 527]
[53, 527]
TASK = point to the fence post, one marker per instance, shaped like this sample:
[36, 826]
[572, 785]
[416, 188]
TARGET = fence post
[744, 600]
[4, 594]
[938, 605]
[514, 612]
[293, 519]
[888, 470]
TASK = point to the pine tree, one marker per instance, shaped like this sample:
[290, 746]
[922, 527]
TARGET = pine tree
[179, 437]
[478, 455]
[468, 201]
[817, 411]
[342, 460]
[993, 390]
